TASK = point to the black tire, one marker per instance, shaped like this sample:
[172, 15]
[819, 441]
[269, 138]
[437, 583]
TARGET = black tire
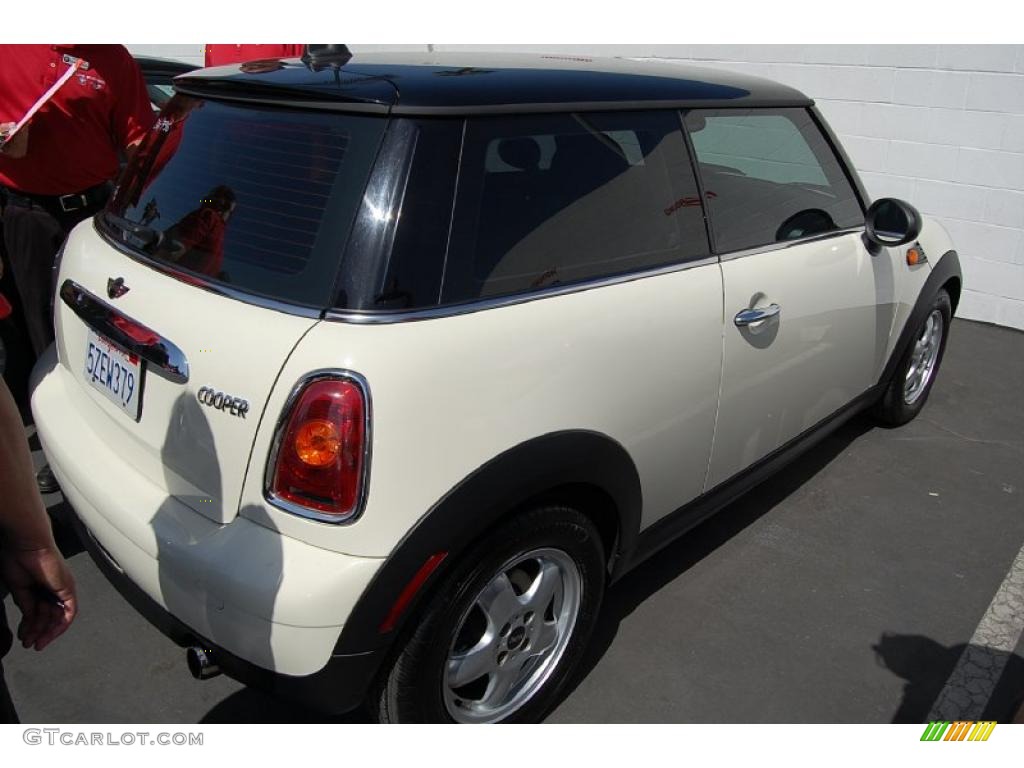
[894, 409]
[414, 688]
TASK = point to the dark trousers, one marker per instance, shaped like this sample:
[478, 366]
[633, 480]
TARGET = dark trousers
[7, 712]
[32, 235]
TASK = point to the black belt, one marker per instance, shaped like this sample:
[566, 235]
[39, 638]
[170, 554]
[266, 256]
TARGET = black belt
[94, 197]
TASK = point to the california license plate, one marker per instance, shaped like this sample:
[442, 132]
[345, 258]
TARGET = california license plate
[115, 373]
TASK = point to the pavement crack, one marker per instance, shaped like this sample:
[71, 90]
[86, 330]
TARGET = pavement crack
[1015, 445]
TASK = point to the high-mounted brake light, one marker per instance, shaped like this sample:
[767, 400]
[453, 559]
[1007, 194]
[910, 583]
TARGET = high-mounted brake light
[319, 459]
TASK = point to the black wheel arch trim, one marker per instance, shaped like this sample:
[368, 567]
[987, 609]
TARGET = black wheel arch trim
[506, 482]
[945, 269]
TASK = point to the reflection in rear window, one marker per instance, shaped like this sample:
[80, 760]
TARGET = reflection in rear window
[255, 198]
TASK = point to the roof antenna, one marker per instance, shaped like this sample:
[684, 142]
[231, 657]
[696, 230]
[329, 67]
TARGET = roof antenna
[332, 56]
[318, 57]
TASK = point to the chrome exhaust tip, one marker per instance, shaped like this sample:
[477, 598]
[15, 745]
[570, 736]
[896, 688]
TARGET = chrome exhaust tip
[201, 662]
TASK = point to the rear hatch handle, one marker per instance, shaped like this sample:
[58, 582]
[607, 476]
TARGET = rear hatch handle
[132, 336]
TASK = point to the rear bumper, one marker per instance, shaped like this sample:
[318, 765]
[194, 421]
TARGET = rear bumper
[340, 686]
[273, 606]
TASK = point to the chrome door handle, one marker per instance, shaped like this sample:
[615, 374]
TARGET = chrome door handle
[756, 315]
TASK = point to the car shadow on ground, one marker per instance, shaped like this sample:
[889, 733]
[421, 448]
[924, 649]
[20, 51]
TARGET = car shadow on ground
[667, 565]
[250, 705]
[68, 541]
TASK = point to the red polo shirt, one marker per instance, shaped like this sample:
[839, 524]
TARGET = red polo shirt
[73, 141]
[235, 53]
[202, 234]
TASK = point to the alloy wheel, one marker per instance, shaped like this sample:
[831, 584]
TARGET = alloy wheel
[923, 358]
[512, 637]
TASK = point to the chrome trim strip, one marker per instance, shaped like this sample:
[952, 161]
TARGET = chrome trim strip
[790, 243]
[356, 317]
[361, 317]
[164, 354]
[284, 505]
[479, 305]
[198, 281]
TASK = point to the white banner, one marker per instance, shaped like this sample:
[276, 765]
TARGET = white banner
[615, 746]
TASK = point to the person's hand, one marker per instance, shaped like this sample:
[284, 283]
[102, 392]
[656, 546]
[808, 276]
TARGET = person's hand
[32, 575]
[16, 147]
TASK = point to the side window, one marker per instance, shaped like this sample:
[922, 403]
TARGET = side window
[769, 176]
[546, 200]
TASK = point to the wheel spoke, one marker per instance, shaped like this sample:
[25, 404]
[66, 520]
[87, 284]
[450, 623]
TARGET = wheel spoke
[544, 636]
[478, 661]
[499, 601]
[912, 376]
[502, 682]
[547, 585]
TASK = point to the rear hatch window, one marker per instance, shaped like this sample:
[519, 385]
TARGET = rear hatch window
[250, 197]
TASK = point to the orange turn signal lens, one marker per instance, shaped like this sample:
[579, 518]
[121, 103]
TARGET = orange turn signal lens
[914, 256]
[323, 449]
[317, 443]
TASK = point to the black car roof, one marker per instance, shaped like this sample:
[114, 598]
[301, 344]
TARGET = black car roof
[476, 83]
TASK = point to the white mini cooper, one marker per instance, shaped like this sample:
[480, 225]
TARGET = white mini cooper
[377, 370]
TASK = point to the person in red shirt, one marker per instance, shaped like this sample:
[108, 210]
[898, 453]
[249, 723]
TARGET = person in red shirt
[197, 241]
[56, 170]
[218, 54]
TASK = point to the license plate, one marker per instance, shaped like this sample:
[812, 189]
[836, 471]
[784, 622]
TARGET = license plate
[115, 373]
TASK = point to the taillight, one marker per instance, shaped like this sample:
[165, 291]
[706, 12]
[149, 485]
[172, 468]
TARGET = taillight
[320, 455]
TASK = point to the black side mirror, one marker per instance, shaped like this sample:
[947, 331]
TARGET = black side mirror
[891, 222]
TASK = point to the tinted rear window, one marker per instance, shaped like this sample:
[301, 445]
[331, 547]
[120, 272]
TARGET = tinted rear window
[255, 198]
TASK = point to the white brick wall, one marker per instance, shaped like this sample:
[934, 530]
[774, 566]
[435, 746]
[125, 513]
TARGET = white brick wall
[939, 125]
[190, 54]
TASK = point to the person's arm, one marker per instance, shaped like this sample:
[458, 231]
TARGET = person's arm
[130, 150]
[133, 114]
[30, 563]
